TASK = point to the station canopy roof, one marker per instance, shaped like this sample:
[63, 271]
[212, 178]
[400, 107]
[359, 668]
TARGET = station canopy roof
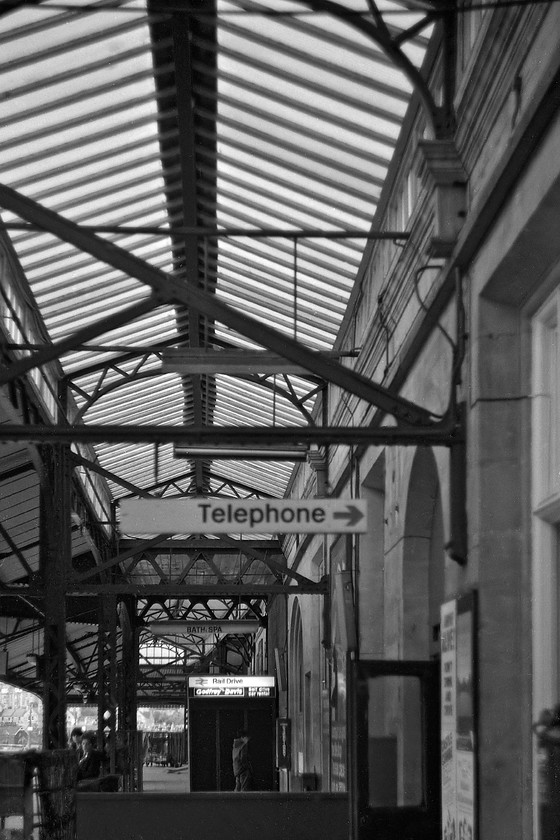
[239, 148]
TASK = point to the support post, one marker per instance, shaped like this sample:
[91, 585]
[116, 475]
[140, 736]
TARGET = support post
[128, 702]
[107, 677]
[54, 564]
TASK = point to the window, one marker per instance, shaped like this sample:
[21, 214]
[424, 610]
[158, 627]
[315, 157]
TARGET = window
[546, 413]
[545, 393]
[395, 759]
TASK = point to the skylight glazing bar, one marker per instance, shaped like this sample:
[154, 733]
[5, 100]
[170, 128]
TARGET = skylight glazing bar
[279, 286]
[375, 111]
[310, 213]
[143, 163]
[307, 177]
[276, 47]
[302, 107]
[325, 34]
[115, 110]
[309, 270]
[360, 106]
[273, 250]
[296, 169]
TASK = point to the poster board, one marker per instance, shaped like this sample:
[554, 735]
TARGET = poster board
[341, 636]
[458, 718]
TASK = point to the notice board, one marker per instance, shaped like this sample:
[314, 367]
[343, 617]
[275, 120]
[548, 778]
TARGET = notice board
[458, 718]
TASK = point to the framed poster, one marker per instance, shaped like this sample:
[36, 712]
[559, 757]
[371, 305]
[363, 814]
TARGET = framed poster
[340, 620]
[458, 718]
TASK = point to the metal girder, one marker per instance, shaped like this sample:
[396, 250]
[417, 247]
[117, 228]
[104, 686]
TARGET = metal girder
[8, 6]
[168, 290]
[443, 433]
[138, 375]
[123, 316]
[273, 565]
[119, 558]
[190, 259]
[138, 547]
[125, 378]
[232, 232]
[234, 361]
[15, 549]
[8, 409]
[217, 546]
[379, 32]
[97, 468]
[172, 590]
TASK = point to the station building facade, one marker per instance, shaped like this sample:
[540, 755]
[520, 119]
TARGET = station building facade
[464, 311]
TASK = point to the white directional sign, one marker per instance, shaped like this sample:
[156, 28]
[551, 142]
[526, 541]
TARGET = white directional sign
[242, 516]
[208, 685]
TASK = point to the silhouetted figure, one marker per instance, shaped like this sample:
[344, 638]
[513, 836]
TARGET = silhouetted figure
[89, 766]
[242, 769]
[76, 737]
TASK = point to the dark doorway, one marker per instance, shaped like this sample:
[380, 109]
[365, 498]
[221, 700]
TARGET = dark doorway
[212, 727]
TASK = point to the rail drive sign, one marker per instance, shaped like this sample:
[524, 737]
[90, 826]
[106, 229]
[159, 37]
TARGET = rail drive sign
[239, 516]
[209, 685]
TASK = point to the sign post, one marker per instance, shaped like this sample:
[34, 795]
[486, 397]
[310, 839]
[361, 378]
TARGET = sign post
[239, 516]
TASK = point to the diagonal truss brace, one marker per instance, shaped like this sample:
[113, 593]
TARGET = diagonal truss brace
[160, 541]
[167, 290]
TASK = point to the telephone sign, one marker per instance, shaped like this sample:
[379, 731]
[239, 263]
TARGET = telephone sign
[238, 516]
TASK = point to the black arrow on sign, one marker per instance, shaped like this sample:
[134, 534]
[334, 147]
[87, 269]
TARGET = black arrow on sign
[352, 514]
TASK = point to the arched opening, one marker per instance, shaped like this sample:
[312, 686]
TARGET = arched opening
[297, 691]
[423, 559]
[422, 582]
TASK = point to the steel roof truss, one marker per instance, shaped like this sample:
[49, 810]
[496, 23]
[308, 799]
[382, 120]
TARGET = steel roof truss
[119, 558]
[167, 289]
[50, 353]
[111, 476]
[15, 550]
[437, 117]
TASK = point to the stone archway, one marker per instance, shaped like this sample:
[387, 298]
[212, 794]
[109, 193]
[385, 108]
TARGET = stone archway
[296, 689]
[423, 559]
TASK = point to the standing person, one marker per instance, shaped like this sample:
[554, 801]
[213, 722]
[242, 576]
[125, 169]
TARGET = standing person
[76, 737]
[242, 769]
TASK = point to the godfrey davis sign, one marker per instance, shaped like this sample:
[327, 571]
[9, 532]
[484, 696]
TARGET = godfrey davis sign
[216, 516]
[210, 685]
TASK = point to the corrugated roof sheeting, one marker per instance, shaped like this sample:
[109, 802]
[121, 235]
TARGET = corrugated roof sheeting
[295, 116]
[305, 113]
